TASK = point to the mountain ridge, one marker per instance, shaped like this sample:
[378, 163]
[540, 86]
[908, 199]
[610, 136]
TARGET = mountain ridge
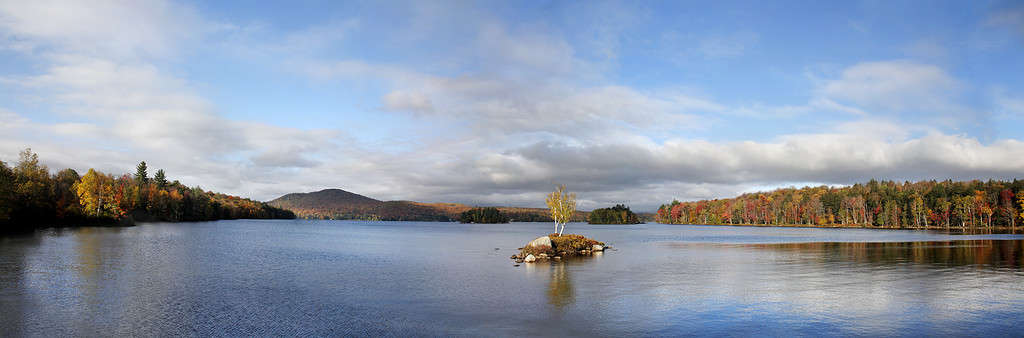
[335, 203]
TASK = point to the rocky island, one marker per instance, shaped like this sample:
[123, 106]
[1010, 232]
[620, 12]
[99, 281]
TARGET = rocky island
[556, 247]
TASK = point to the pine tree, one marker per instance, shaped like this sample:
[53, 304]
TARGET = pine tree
[141, 176]
[160, 179]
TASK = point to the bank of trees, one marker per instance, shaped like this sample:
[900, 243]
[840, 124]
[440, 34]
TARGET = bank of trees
[31, 197]
[483, 215]
[924, 204]
[619, 214]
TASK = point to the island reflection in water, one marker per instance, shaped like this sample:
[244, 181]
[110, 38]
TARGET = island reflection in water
[560, 290]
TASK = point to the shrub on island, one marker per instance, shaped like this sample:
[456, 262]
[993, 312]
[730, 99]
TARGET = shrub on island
[557, 246]
[619, 214]
[489, 215]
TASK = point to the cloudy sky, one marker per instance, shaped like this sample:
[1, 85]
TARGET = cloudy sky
[481, 103]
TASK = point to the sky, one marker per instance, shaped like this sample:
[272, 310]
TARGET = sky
[494, 103]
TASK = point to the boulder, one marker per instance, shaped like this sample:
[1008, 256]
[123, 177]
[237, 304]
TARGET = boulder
[530, 259]
[598, 247]
[540, 241]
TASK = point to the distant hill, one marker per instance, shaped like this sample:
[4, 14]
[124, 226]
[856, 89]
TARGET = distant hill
[325, 199]
[341, 204]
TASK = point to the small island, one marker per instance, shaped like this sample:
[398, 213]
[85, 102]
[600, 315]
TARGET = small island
[619, 214]
[489, 215]
[558, 245]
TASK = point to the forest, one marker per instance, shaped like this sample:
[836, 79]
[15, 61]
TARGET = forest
[619, 214]
[912, 205]
[31, 197]
[489, 215]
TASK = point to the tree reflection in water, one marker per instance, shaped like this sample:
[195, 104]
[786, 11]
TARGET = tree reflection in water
[560, 290]
[986, 253]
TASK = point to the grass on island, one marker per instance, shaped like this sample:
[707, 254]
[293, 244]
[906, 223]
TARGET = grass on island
[565, 245]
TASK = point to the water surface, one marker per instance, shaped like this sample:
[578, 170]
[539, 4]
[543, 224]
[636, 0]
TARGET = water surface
[251, 277]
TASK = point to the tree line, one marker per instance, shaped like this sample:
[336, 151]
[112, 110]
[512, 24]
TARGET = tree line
[31, 197]
[924, 204]
[618, 214]
[483, 215]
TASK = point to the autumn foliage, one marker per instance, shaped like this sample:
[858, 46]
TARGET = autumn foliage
[925, 204]
[31, 197]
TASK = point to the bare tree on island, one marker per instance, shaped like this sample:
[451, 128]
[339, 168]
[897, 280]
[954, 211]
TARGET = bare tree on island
[562, 205]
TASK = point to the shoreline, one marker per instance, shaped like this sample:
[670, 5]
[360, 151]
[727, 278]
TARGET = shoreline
[1000, 229]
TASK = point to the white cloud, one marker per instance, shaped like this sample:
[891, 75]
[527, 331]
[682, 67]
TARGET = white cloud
[121, 29]
[894, 86]
[407, 101]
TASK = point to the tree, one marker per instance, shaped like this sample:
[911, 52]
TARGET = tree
[95, 193]
[1006, 207]
[33, 186]
[7, 198]
[944, 206]
[619, 214]
[141, 176]
[1020, 200]
[65, 199]
[562, 205]
[917, 208]
[160, 179]
[483, 215]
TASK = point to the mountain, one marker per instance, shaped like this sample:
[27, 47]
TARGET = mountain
[325, 199]
[341, 204]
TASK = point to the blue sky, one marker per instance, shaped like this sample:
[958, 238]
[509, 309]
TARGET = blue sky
[495, 102]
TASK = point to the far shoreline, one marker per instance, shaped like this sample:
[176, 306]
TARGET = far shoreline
[999, 229]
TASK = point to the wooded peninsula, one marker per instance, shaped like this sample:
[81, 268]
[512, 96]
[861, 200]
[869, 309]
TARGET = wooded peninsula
[30, 197]
[991, 205]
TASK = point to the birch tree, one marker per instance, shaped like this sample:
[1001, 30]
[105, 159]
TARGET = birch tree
[562, 205]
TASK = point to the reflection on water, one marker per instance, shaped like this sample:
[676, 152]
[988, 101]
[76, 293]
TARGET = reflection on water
[560, 290]
[330, 278]
[89, 261]
[982, 253]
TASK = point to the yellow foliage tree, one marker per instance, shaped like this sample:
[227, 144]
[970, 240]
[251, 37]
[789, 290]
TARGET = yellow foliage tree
[1020, 199]
[96, 194]
[562, 205]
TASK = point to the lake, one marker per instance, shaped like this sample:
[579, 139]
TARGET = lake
[330, 278]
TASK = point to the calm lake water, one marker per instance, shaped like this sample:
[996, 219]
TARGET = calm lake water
[301, 278]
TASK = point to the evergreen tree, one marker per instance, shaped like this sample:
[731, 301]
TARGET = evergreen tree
[7, 198]
[141, 176]
[483, 215]
[160, 179]
[619, 214]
